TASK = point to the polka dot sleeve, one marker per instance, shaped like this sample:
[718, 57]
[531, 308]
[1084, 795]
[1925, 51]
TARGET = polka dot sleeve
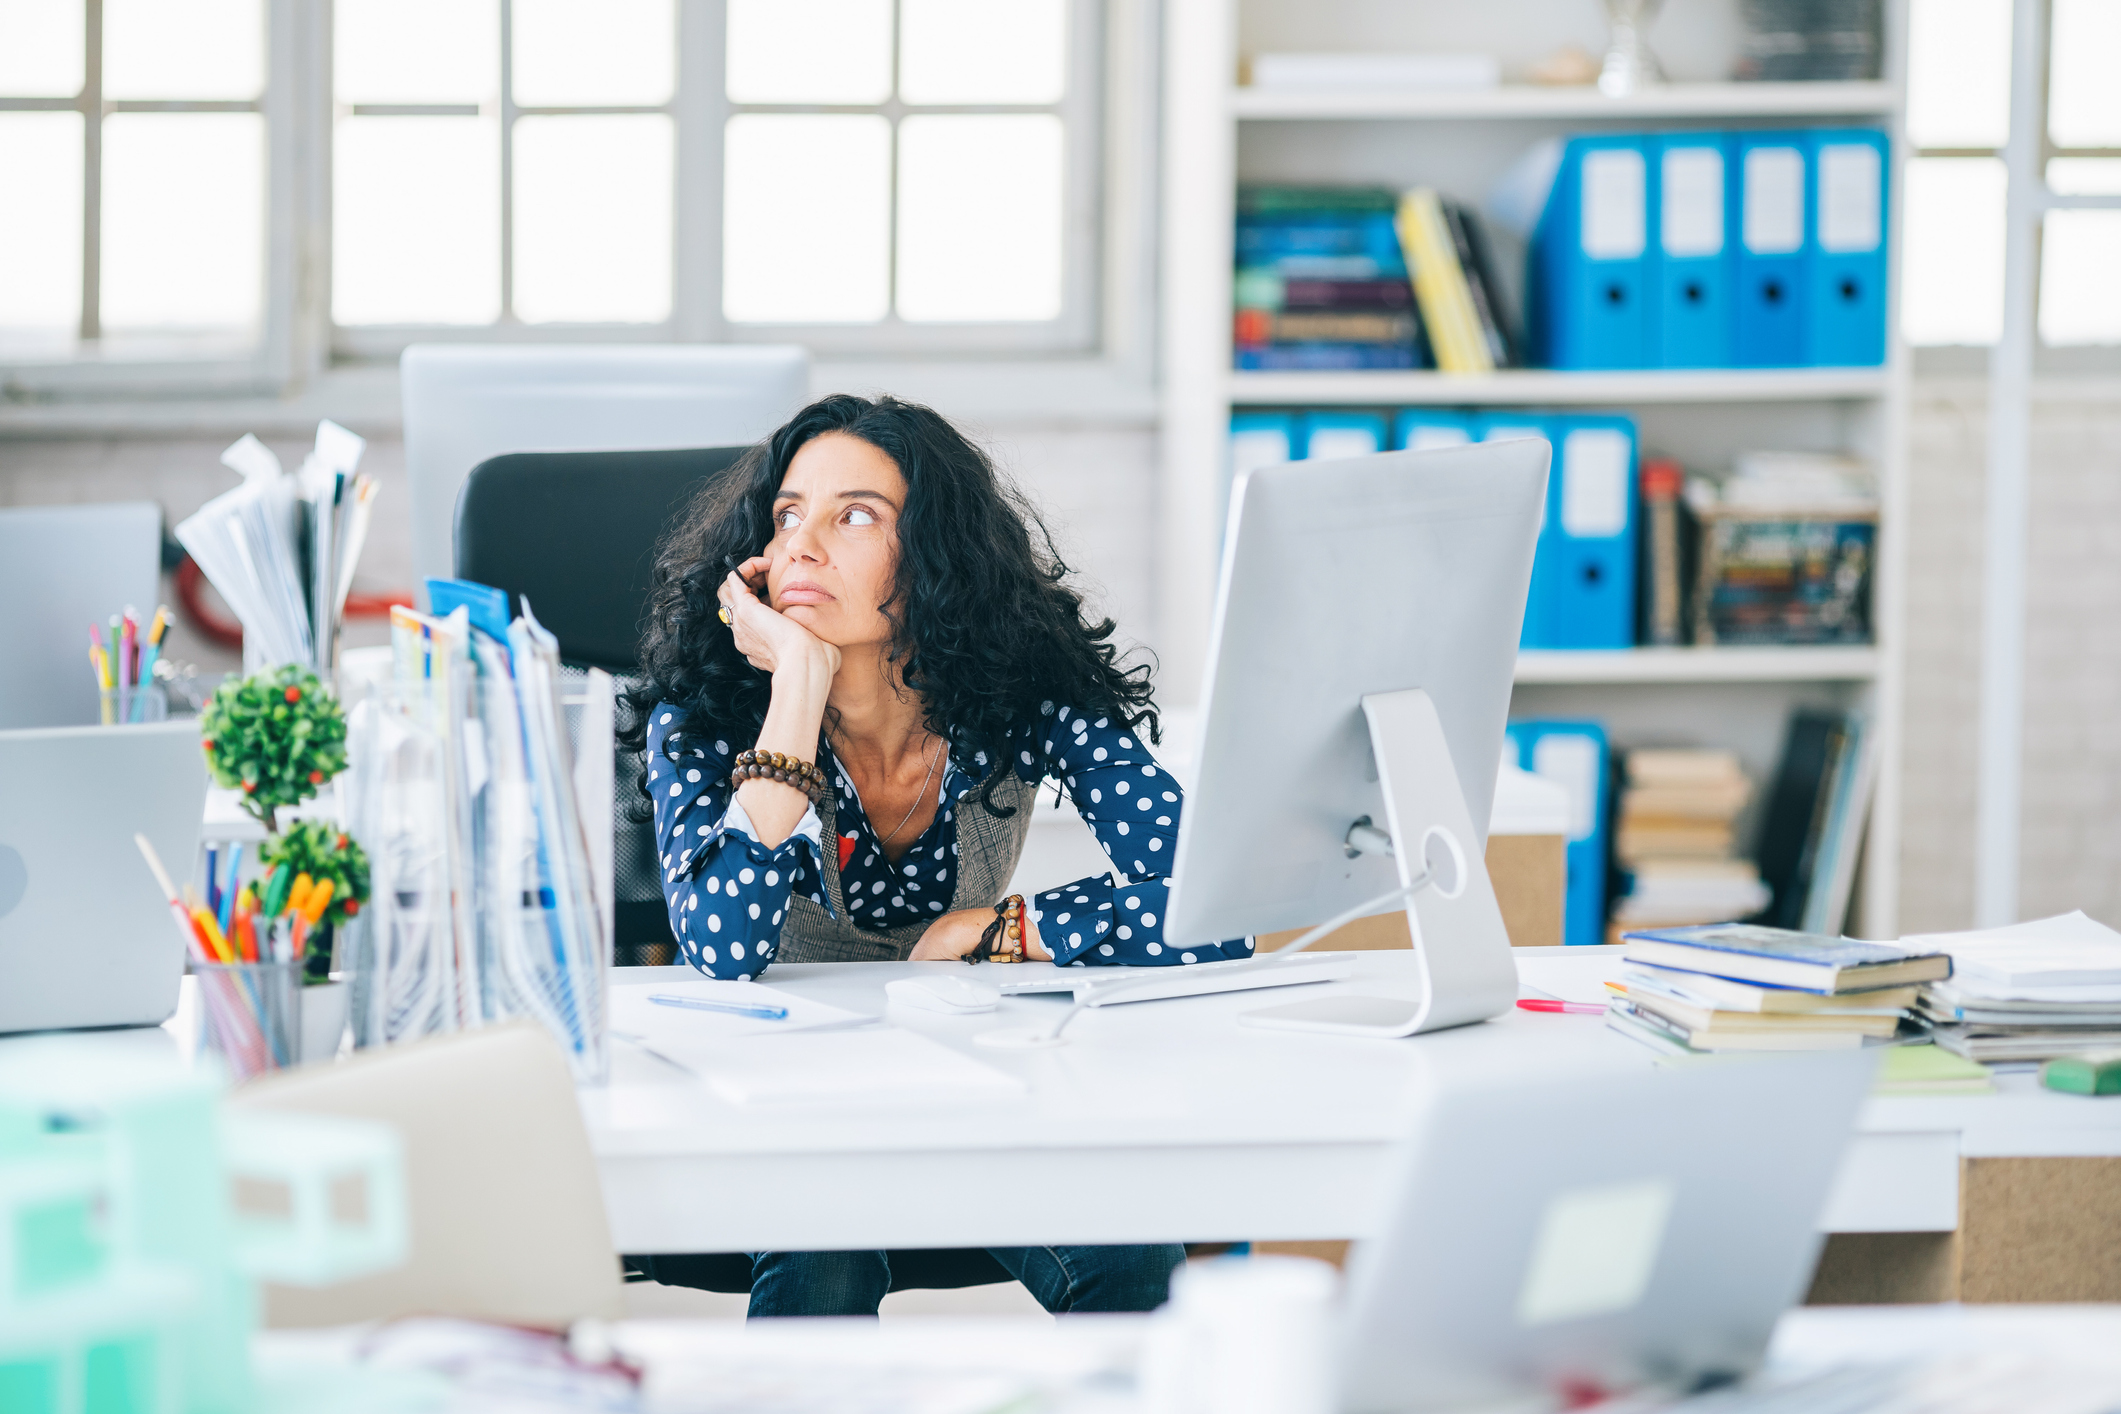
[1132, 805]
[726, 892]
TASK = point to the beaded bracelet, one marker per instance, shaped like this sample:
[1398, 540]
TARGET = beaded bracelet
[781, 768]
[1003, 940]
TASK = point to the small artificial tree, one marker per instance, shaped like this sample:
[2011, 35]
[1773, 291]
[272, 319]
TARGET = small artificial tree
[277, 736]
[322, 851]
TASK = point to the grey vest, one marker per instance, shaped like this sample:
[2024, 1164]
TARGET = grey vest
[988, 846]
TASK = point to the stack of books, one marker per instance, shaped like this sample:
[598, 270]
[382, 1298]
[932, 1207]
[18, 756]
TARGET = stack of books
[2028, 992]
[1322, 282]
[1788, 544]
[1737, 987]
[1675, 840]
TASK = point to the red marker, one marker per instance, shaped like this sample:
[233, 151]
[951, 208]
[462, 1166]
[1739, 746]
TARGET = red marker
[1572, 1008]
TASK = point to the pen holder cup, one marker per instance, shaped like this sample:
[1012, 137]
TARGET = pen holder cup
[252, 1013]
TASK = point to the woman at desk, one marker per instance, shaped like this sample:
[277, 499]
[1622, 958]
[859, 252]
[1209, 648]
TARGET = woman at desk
[862, 661]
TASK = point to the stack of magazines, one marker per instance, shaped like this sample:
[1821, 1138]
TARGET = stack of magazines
[281, 549]
[2028, 992]
[470, 779]
[1739, 987]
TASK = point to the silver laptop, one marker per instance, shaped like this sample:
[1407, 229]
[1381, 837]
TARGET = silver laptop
[1600, 1233]
[86, 938]
[63, 568]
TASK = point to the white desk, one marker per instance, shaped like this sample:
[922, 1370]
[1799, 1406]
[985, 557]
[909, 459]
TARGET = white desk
[1167, 1121]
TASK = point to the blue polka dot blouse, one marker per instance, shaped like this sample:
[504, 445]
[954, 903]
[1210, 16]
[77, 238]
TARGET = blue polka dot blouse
[728, 893]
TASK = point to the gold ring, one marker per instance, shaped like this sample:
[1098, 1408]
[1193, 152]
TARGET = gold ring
[724, 613]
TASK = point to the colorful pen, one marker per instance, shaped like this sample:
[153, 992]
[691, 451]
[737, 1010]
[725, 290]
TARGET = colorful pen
[761, 1013]
[226, 910]
[1552, 1004]
[153, 650]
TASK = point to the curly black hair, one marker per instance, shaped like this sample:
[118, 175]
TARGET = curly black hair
[985, 627]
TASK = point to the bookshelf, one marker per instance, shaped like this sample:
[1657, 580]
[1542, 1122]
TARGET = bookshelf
[1218, 133]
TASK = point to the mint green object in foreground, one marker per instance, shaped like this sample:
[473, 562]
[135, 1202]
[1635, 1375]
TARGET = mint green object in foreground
[127, 1280]
[2084, 1075]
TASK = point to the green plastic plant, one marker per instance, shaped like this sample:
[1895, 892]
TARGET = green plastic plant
[276, 736]
[322, 851]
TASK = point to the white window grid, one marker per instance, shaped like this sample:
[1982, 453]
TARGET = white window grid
[1108, 250]
[1948, 357]
[700, 110]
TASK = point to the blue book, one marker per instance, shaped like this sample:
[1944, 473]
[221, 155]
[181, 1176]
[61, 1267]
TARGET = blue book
[1589, 295]
[1768, 214]
[1329, 435]
[1425, 429]
[1589, 539]
[1778, 957]
[1313, 358]
[1574, 755]
[1272, 240]
[1845, 283]
[1691, 317]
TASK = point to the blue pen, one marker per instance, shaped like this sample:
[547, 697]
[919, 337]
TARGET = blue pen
[762, 1013]
[228, 895]
[213, 881]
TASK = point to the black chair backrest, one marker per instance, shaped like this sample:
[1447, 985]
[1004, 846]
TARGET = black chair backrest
[574, 533]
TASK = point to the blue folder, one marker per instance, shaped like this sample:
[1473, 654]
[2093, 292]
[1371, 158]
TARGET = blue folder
[1845, 294]
[1590, 294]
[1589, 538]
[1538, 631]
[1260, 439]
[1691, 315]
[1329, 435]
[1421, 429]
[1574, 755]
[1769, 196]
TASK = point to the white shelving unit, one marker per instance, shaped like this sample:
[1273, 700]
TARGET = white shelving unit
[1217, 134]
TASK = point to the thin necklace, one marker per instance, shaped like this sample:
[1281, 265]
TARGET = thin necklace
[934, 753]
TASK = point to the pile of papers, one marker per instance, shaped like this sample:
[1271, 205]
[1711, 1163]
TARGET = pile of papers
[282, 549]
[2029, 991]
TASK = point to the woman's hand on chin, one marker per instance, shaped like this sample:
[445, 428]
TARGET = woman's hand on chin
[955, 934]
[769, 639]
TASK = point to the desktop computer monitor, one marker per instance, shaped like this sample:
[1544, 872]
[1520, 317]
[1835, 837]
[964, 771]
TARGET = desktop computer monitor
[1358, 681]
[465, 403]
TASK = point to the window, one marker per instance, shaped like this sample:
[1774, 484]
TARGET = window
[851, 174]
[229, 195]
[133, 156]
[1958, 119]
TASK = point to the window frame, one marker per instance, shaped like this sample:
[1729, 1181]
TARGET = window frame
[268, 362]
[1104, 372]
[699, 108]
[2056, 358]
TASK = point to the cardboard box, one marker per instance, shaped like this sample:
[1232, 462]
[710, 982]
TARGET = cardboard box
[1530, 873]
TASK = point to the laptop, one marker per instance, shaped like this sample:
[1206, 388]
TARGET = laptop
[1553, 1240]
[63, 568]
[86, 938]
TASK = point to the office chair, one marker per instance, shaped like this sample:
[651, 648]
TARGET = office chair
[574, 533]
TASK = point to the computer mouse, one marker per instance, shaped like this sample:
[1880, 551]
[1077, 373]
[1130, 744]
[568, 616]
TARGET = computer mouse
[952, 996]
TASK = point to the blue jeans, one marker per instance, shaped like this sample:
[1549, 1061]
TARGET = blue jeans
[1062, 1278]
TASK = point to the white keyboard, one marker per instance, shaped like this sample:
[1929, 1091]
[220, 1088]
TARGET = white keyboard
[1105, 986]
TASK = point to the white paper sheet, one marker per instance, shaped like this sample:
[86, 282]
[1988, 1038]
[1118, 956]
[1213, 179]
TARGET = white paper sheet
[634, 1014]
[1571, 974]
[2070, 950]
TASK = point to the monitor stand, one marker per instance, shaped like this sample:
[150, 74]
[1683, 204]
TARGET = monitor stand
[1461, 950]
